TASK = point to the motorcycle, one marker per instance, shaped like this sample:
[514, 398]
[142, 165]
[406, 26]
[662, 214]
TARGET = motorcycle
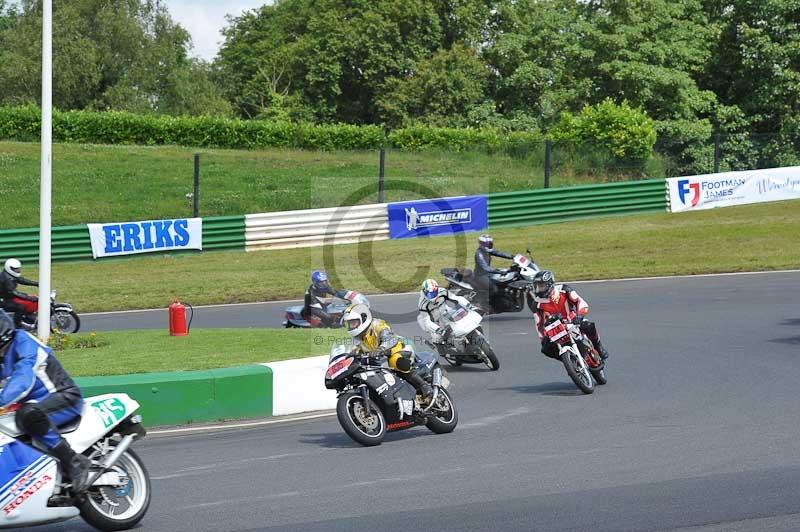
[464, 341]
[62, 316]
[513, 286]
[296, 318]
[577, 352]
[33, 488]
[373, 400]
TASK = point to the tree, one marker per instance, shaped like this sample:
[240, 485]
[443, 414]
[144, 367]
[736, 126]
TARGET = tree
[118, 54]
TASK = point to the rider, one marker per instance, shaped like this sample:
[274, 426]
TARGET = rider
[315, 303]
[433, 309]
[375, 337]
[10, 277]
[483, 264]
[33, 377]
[561, 299]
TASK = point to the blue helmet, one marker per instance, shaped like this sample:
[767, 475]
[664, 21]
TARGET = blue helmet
[319, 279]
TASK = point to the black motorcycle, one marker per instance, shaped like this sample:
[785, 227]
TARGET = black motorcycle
[513, 286]
[373, 400]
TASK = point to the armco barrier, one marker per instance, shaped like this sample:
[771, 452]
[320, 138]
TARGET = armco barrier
[560, 204]
[192, 396]
[307, 228]
[72, 242]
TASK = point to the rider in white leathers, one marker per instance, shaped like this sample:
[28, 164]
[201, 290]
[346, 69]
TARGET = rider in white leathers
[433, 306]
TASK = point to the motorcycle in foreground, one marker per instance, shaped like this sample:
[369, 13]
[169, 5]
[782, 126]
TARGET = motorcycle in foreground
[33, 488]
[464, 341]
[513, 286]
[295, 318]
[373, 400]
[62, 316]
[577, 352]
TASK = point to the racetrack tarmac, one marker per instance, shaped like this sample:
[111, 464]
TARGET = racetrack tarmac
[697, 430]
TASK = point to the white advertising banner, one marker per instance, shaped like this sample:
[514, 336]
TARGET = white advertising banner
[733, 188]
[112, 239]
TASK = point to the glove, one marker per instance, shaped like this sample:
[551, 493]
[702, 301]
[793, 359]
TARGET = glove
[445, 332]
[577, 320]
[380, 353]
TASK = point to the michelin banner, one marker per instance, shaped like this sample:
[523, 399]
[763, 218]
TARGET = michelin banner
[733, 188]
[444, 216]
[112, 239]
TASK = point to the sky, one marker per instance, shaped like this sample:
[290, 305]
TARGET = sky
[204, 19]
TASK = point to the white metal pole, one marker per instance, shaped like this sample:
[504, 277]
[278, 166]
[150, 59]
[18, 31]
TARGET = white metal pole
[45, 188]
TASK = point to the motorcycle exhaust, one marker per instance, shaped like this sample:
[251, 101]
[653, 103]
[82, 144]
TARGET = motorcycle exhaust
[112, 458]
[436, 380]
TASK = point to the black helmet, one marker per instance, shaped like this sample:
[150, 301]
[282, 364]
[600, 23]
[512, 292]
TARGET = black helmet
[6, 329]
[543, 283]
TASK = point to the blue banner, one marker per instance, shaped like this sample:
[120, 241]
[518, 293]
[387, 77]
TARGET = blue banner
[444, 216]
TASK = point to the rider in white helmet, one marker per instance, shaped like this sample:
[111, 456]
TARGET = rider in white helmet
[10, 277]
[433, 306]
[374, 337]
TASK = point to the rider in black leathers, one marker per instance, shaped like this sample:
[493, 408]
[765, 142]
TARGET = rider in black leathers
[10, 277]
[483, 264]
[314, 302]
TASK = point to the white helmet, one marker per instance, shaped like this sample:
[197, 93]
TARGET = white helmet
[13, 267]
[356, 318]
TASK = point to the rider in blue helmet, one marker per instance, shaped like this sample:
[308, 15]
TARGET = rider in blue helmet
[315, 298]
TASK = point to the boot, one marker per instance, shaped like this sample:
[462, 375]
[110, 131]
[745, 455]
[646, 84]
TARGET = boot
[601, 349]
[421, 385]
[75, 466]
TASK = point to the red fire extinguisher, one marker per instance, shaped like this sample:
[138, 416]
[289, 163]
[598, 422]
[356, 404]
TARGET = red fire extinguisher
[177, 318]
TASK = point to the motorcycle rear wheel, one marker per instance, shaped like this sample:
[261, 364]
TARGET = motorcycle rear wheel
[577, 372]
[366, 429]
[101, 503]
[444, 416]
[65, 321]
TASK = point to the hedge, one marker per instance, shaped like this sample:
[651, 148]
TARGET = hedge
[113, 127]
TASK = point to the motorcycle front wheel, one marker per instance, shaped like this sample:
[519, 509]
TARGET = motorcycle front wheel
[119, 507]
[365, 428]
[487, 353]
[443, 414]
[577, 371]
[65, 321]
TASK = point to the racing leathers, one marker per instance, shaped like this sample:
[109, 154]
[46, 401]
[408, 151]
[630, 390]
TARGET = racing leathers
[33, 377]
[433, 318]
[315, 303]
[572, 307]
[9, 294]
[483, 268]
[378, 340]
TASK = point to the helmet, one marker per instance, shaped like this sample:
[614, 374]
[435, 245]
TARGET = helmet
[356, 318]
[543, 283]
[13, 267]
[6, 329]
[430, 289]
[319, 279]
[486, 241]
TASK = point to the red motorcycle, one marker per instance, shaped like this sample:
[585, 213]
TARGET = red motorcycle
[577, 352]
[62, 317]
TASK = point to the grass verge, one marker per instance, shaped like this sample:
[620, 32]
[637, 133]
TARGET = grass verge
[94, 183]
[752, 237]
[125, 352]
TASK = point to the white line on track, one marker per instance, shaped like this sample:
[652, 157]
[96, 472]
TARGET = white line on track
[699, 275]
[227, 426]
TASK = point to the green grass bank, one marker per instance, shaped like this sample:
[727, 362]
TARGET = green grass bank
[752, 237]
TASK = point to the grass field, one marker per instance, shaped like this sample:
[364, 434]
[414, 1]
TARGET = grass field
[753, 237]
[125, 352]
[124, 183]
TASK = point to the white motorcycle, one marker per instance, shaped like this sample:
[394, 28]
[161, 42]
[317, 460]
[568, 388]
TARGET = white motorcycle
[464, 342]
[33, 488]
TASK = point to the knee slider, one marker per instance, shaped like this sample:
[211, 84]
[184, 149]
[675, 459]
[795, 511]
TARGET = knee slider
[403, 364]
[32, 420]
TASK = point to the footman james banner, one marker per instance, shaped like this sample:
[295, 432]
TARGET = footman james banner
[438, 216]
[128, 238]
[733, 188]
